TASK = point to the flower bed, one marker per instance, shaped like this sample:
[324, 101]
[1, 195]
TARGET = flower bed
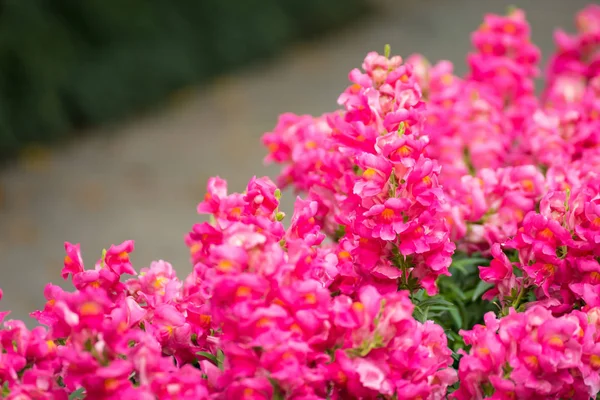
[447, 246]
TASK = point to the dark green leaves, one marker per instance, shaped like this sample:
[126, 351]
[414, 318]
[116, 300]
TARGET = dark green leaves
[458, 305]
[480, 289]
[217, 359]
[78, 394]
[430, 307]
[340, 232]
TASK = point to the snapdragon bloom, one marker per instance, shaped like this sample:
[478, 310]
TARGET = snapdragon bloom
[338, 300]
[531, 355]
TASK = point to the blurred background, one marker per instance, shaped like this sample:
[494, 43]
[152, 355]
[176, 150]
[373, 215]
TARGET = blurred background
[114, 113]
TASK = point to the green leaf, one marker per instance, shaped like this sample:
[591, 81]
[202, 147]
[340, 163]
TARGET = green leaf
[220, 358]
[419, 315]
[425, 314]
[453, 288]
[209, 356]
[460, 267]
[78, 394]
[481, 288]
[340, 232]
[456, 317]
[468, 162]
[436, 301]
[277, 394]
[418, 297]
[463, 263]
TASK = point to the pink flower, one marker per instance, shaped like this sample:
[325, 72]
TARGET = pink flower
[201, 237]
[376, 172]
[260, 196]
[372, 377]
[303, 224]
[539, 353]
[387, 219]
[117, 258]
[73, 262]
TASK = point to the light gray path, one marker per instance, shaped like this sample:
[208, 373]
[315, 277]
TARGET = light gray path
[143, 179]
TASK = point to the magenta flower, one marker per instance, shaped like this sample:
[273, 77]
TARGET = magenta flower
[386, 220]
[526, 354]
[418, 163]
[73, 262]
[375, 176]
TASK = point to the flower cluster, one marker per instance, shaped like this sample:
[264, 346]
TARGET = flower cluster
[107, 339]
[383, 202]
[280, 328]
[556, 253]
[423, 187]
[532, 355]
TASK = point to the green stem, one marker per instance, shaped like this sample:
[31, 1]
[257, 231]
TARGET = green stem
[519, 297]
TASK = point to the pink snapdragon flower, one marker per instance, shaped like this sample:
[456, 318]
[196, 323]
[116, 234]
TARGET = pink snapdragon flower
[530, 354]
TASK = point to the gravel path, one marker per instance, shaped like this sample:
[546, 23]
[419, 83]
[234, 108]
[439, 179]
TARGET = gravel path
[143, 179]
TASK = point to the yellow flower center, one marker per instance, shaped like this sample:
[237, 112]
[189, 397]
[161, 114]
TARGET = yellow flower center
[387, 214]
[159, 282]
[447, 79]
[355, 88]
[243, 291]
[311, 144]
[225, 265]
[111, 384]
[532, 362]
[263, 322]
[90, 308]
[483, 351]
[205, 319]
[510, 29]
[403, 151]
[546, 233]
[195, 248]
[369, 173]
[550, 268]
[556, 342]
[527, 185]
[310, 298]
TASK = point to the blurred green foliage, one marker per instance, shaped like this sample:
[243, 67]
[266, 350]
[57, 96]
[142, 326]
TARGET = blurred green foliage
[66, 64]
[459, 304]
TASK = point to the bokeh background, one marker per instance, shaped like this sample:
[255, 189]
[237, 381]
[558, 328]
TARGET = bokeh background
[114, 113]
